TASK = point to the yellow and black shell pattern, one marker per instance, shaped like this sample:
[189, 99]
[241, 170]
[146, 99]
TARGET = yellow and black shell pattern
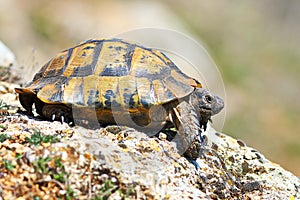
[102, 73]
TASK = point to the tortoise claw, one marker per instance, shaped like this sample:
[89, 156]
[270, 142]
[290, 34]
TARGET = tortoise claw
[200, 138]
[53, 117]
[194, 162]
[71, 123]
[62, 118]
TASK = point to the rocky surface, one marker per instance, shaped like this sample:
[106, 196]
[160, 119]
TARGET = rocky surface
[49, 160]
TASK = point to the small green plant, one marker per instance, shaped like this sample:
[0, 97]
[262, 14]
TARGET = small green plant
[107, 185]
[70, 193]
[3, 137]
[128, 192]
[41, 165]
[60, 176]
[108, 188]
[19, 155]
[37, 138]
[58, 163]
[8, 165]
[98, 198]
[59, 173]
[3, 105]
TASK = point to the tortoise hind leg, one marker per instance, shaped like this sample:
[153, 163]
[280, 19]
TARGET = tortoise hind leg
[55, 112]
[39, 106]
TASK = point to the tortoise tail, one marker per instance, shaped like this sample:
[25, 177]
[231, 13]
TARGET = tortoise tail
[26, 98]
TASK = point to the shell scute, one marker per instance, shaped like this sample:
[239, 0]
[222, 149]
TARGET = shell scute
[74, 91]
[83, 60]
[114, 59]
[142, 59]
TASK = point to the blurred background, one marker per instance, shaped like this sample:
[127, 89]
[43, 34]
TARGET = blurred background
[255, 44]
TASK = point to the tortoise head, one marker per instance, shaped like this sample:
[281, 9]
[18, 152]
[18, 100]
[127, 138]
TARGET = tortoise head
[209, 101]
[206, 104]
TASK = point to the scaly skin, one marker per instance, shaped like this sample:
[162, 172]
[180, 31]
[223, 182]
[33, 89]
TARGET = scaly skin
[190, 116]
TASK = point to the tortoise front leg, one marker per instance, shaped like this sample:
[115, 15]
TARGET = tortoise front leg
[188, 139]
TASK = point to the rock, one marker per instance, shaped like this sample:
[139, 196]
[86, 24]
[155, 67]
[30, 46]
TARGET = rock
[7, 58]
[7, 63]
[53, 160]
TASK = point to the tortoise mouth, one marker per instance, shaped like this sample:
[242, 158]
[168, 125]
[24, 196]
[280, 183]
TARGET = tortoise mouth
[205, 108]
[206, 111]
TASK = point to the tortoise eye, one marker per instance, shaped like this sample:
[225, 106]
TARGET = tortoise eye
[208, 98]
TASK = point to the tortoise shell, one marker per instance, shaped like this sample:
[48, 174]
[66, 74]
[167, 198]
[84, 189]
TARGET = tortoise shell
[105, 73]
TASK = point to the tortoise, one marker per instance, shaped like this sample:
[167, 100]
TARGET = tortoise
[112, 81]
